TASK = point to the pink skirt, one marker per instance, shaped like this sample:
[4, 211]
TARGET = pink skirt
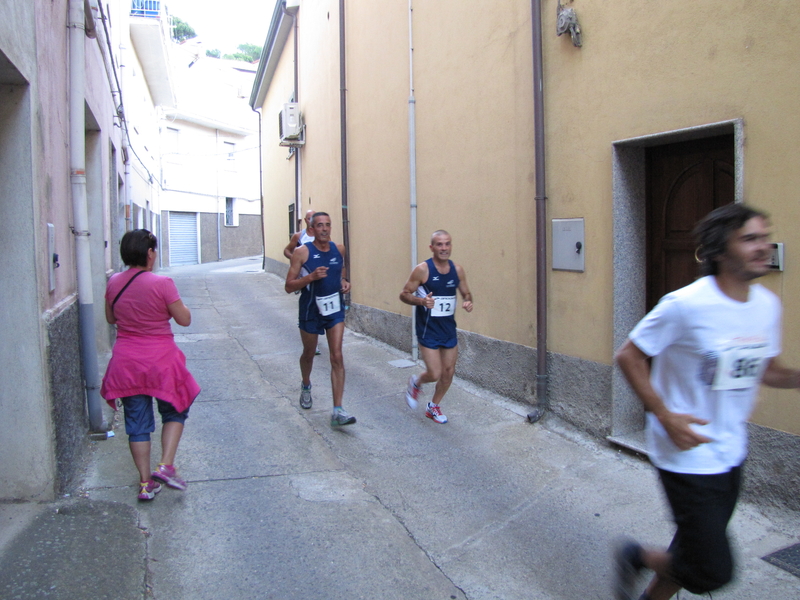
[153, 366]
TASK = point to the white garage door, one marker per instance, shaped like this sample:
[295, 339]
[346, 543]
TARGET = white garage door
[183, 239]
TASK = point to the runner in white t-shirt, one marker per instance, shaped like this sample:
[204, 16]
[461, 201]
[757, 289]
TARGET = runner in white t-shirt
[712, 342]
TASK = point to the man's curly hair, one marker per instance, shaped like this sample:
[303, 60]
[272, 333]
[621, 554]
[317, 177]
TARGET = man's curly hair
[713, 232]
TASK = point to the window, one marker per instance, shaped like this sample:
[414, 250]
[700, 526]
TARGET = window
[230, 148]
[230, 215]
[172, 141]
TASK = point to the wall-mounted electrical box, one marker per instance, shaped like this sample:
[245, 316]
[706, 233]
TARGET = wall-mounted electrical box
[568, 245]
[776, 260]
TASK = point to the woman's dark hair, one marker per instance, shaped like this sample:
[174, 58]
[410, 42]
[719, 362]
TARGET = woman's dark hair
[714, 231]
[134, 246]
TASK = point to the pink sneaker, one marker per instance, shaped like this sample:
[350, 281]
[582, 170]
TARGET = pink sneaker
[148, 489]
[168, 475]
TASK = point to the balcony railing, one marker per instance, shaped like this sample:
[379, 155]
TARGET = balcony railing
[146, 8]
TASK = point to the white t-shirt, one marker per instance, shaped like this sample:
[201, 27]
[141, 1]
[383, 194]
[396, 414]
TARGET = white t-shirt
[305, 238]
[710, 352]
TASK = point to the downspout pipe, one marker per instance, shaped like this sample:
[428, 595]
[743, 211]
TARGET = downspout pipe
[542, 403]
[298, 170]
[261, 190]
[80, 214]
[343, 127]
[412, 166]
[219, 207]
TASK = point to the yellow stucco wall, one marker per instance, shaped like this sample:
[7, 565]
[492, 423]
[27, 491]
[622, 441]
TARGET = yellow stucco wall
[645, 68]
[652, 67]
[473, 92]
[278, 171]
[319, 103]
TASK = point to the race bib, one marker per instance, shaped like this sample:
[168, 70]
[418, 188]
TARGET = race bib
[739, 367]
[328, 305]
[443, 306]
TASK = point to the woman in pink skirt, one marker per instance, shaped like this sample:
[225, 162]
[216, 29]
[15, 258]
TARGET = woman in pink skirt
[146, 363]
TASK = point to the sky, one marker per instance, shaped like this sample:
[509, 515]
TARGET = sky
[224, 24]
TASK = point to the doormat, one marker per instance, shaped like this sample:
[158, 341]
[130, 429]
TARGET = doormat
[787, 559]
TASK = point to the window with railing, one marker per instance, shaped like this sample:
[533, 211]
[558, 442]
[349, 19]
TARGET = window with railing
[146, 8]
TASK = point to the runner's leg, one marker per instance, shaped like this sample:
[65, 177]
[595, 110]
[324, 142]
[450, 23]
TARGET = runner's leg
[335, 335]
[447, 360]
[433, 365]
[307, 357]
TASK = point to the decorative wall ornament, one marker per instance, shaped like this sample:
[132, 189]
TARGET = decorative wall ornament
[567, 20]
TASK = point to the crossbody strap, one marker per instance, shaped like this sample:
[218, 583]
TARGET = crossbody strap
[125, 287]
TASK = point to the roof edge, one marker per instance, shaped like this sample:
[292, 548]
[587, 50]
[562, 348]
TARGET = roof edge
[282, 19]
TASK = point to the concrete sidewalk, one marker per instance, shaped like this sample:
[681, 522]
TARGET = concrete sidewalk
[396, 506]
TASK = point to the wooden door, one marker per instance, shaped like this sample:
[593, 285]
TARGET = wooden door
[685, 181]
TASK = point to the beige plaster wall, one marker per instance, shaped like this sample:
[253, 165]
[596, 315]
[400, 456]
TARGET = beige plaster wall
[319, 103]
[379, 197]
[472, 80]
[645, 68]
[278, 175]
[651, 67]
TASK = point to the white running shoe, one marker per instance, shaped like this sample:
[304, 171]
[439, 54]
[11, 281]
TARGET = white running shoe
[435, 413]
[413, 392]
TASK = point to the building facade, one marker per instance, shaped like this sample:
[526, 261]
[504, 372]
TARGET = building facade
[421, 116]
[78, 168]
[211, 203]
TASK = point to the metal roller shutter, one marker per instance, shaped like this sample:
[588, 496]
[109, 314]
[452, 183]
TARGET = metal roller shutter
[183, 239]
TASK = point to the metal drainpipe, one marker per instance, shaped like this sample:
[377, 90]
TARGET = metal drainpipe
[343, 126]
[80, 214]
[261, 193]
[219, 211]
[298, 167]
[412, 166]
[541, 215]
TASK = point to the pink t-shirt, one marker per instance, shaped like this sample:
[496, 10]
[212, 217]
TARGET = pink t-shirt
[142, 308]
[146, 360]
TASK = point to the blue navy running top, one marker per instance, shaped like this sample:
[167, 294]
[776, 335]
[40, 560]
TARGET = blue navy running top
[436, 327]
[322, 298]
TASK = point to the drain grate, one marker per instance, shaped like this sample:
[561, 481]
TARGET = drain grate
[787, 559]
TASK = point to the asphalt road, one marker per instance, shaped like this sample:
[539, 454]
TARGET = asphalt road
[282, 506]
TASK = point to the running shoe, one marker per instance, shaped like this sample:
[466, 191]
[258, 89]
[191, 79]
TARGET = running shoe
[148, 489]
[435, 412]
[317, 352]
[305, 396]
[168, 475]
[627, 564]
[340, 417]
[412, 392]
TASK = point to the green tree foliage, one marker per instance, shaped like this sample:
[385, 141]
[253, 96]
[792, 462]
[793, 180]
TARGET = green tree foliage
[247, 53]
[213, 53]
[181, 30]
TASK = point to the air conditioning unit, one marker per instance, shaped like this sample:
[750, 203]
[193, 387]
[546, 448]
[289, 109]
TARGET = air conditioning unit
[290, 127]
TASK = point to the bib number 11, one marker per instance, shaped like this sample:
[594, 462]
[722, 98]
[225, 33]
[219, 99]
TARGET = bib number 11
[328, 305]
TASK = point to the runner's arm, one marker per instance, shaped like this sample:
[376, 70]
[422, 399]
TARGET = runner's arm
[292, 245]
[636, 368]
[345, 281]
[778, 376]
[466, 295]
[408, 295]
[293, 282]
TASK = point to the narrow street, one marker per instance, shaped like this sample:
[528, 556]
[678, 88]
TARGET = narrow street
[281, 506]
